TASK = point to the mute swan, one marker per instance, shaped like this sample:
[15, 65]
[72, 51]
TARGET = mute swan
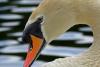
[52, 18]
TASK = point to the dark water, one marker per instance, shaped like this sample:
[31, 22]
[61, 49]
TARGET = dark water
[13, 17]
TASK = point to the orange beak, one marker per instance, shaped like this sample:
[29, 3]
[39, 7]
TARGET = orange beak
[33, 35]
[33, 51]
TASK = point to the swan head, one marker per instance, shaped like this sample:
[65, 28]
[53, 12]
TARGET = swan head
[48, 21]
[33, 35]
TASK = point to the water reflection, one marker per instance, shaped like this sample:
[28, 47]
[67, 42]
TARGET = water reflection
[85, 40]
[19, 39]
[2, 1]
[3, 29]
[71, 36]
[15, 34]
[31, 2]
[62, 51]
[23, 9]
[6, 8]
[10, 24]
[11, 61]
[10, 16]
[8, 42]
[15, 49]
[85, 29]
[78, 37]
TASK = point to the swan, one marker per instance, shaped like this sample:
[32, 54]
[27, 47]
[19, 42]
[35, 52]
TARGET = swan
[52, 18]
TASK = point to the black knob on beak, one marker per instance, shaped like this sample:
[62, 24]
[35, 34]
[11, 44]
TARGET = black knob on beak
[34, 29]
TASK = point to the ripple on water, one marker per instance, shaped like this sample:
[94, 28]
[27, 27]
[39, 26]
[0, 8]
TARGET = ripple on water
[85, 40]
[8, 42]
[70, 36]
[4, 29]
[3, 1]
[77, 36]
[9, 58]
[6, 8]
[30, 2]
[10, 24]
[85, 29]
[19, 39]
[23, 9]
[15, 34]
[10, 16]
[10, 61]
[15, 49]
[62, 51]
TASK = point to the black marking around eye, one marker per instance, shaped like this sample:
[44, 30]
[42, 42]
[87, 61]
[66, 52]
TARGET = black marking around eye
[33, 29]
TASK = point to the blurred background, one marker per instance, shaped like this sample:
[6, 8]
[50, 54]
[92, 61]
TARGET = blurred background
[13, 17]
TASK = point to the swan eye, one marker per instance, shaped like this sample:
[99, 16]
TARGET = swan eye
[40, 19]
